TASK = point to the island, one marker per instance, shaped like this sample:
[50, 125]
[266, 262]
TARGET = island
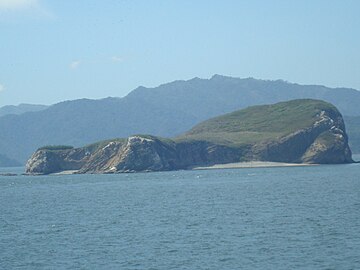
[302, 131]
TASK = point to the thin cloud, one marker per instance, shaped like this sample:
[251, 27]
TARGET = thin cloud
[30, 8]
[75, 64]
[2, 87]
[18, 4]
[116, 59]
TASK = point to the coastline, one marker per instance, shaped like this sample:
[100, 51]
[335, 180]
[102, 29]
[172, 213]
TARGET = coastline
[67, 172]
[235, 165]
[252, 164]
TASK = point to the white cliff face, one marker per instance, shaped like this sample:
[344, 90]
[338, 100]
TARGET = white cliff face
[323, 119]
[137, 139]
[140, 154]
[137, 153]
[49, 161]
[331, 146]
[323, 142]
[37, 162]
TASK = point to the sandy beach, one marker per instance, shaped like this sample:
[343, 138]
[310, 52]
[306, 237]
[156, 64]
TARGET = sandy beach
[252, 164]
[65, 172]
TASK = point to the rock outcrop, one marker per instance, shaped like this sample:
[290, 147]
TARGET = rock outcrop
[322, 140]
[325, 142]
[46, 161]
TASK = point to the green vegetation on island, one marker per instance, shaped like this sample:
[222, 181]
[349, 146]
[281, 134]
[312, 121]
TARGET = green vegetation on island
[259, 123]
[56, 147]
[297, 131]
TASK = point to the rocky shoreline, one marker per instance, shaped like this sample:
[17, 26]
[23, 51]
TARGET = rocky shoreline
[323, 141]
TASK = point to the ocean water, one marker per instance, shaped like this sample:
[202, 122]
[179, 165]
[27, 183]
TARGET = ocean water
[255, 218]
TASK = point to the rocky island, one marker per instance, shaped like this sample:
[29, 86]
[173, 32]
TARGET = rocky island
[303, 131]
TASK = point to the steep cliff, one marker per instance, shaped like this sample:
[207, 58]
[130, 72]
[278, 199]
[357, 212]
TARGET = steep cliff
[298, 131]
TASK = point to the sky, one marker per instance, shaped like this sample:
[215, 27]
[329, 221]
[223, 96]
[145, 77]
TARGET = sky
[56, 50]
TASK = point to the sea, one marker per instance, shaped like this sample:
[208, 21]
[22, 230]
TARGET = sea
[249, 218]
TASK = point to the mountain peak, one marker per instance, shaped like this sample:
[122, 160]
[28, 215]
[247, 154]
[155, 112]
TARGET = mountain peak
[220, 77]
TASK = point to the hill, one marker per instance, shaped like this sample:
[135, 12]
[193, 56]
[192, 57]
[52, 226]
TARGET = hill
[167, 111]
[353, 130]
[298, 131]
[221, 94]
[20, 109]
[7, 162]
[258, 123]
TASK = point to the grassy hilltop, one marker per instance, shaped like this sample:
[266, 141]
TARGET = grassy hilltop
[259, 123]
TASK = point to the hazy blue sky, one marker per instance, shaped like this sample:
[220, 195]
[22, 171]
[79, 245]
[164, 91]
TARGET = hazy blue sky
[53, 50]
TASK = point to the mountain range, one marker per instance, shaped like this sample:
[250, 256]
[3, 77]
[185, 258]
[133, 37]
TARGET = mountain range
[21, 108]
[167, 110]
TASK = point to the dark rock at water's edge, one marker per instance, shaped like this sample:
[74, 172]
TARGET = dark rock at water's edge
[298, 131]
[8, 174]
